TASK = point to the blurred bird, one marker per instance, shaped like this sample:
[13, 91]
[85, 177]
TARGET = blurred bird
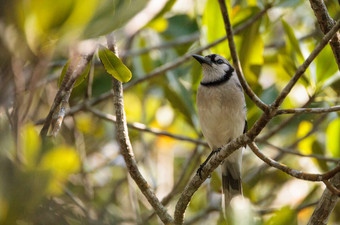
[223, 116]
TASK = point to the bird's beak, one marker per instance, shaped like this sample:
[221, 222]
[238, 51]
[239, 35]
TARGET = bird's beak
[202, 59]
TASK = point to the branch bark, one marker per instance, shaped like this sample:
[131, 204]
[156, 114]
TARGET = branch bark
[326, 23]
[126, 148]
[292, 172]
[75, 69]
[326, 204]
[236, 61]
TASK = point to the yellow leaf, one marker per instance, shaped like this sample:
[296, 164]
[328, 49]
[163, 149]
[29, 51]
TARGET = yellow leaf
[61, 162]
[31, 145]
[306, 144]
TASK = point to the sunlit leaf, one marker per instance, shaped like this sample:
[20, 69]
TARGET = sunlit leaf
[325, 65]
[60, 162]
[292, 40]
[213, 23]
[113, 65]
[285, 216]
[251, 52]
[333, 137]
[306, 144]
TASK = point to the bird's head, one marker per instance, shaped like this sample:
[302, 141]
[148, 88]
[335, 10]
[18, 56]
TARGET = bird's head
[214, 66]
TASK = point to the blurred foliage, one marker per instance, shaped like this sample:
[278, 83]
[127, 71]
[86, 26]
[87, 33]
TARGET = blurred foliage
[79, 177]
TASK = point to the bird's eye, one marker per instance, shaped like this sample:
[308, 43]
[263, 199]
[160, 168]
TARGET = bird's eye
[220, 61]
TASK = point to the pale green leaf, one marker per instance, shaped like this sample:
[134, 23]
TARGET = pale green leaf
[333, 137]
[213, 22]
[292, 40]
[325, 64]
[284, 216]
[113, 65]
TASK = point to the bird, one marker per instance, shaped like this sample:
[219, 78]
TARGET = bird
[222, 116]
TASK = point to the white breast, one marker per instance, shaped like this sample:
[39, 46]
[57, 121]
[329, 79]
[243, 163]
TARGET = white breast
[221, 111]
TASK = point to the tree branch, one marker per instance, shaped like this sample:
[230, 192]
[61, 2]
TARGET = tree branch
[326, 23]
[144, 128]
[126, 148]
[294, 173]
[326, 204]
[236, 61]
[75, 69]
[308, 110]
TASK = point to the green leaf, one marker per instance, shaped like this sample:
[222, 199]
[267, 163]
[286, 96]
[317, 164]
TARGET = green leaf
[251, 52]
[80, 79]
[292, 40]
[213, 22]
[285, 216]
[113, 65]
[325, 65]
[333, 137]
[84, 74]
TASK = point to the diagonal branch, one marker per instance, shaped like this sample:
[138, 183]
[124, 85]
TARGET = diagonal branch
[126, 148]
[236, 61]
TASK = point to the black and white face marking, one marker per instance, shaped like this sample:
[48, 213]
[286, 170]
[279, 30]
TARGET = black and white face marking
[215, 68]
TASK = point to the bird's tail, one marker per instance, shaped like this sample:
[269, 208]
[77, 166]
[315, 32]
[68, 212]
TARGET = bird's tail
[231, 179]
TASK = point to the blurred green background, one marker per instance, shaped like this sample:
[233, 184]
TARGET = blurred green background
[79, 176]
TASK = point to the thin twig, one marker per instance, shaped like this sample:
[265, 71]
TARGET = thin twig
[144, 128]
[308, 110]
[284, 123]
[126, 148]
[295, 173]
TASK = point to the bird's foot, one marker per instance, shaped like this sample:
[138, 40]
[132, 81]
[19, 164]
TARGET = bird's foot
[199, 170]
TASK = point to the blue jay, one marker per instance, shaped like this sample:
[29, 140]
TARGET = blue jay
[223, 116]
